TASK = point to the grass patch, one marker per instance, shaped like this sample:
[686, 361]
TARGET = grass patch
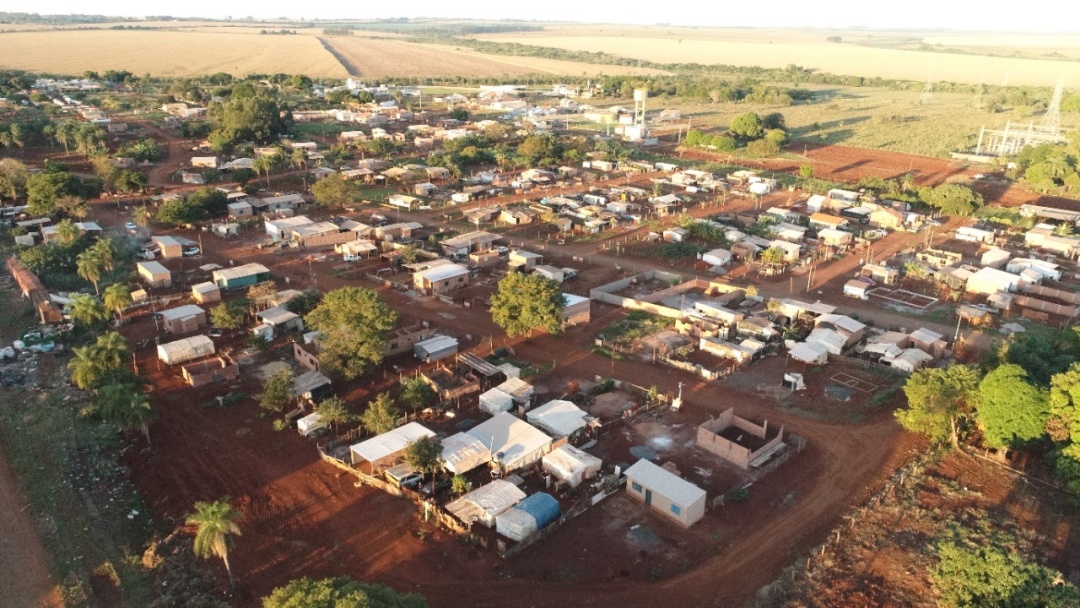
[321, 129]
[604, 351]
[90, 517]
[635, 325]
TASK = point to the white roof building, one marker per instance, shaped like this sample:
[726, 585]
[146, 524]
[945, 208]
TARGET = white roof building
[513, 442]
[558, 418]
[495, 401]
[388, 444]
[809, 352]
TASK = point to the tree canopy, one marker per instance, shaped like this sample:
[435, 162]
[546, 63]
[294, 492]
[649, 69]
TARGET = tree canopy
[748, 126]
[335, 191]
[277, 391]
[1011, 409]
[937, 398]
[381, 415]
[257, 118]
[354, 322]
[525, 302]
[341, 592]
[214, 523]
[952, 199]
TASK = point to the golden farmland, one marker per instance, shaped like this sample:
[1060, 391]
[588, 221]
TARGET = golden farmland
[779, 48]
[166, 53]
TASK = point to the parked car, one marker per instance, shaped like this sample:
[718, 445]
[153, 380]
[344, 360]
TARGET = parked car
[131, 227]
[146, 254]
[441, 485]
[215, 332]
[191, 251]
[411, 480]
[350, 257]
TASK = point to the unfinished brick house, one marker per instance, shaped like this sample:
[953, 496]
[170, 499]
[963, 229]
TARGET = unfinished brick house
[739, 441]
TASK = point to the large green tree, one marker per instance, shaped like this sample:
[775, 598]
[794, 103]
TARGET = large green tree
[952, 199]
[748, 126]
[981, 575]
[333, 412]
[937, 400]
[526, 302]
[277, 391]
[1011, 410]
[214, 523]
[425, 455]
[381, 415]
[95, 363]
[257, 118]
[354, 323]
[417, 393]
[90, 266]
[1063, 424]
[44, 189]
[228, 315]
[335, 191]
[341, 592]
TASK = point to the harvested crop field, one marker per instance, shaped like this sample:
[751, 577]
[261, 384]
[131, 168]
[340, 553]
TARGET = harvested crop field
[817, 54]
[166, 53]
[378, 58]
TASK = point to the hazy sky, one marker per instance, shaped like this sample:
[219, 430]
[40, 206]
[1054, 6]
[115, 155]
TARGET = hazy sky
[913, 14]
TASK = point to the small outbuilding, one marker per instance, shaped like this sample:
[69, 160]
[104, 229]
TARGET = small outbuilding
[462, 453]
[183, 319]
[576, 310]
[558, 418]
[154, 274]
[241, 276]
[169, 247]
[484, 504]
[435, 348]
[382, 450]
[529, 516]
[206, 293]
[666, 493]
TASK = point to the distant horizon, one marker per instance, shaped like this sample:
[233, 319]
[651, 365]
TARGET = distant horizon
[840, 15]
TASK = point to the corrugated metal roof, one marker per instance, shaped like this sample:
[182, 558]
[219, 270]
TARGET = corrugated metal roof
[239, 272]
[388, 444]
[181, 312]
[664, 482]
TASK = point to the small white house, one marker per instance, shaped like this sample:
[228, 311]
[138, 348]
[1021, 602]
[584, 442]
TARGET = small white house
[857, 289]
[717, 257]
[666, 493]
[989, 281]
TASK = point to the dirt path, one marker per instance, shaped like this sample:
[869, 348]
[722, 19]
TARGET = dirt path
[24, 575]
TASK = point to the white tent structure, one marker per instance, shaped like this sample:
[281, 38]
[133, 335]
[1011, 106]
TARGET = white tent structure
[487, 502]
[571, 465]
[185, 350]
[558, 418]
[513, 443]
[462, 453]
[515, 524]
[910, 360]
[389, 445]
[496, 401]
[519, 390]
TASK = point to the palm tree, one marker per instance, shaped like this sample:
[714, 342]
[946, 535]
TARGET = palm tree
[127, 408]
[215, 521]
[103, 249]
[89, 265]
[117, 297]
[298, 158]
[85, 368]
[64, 133]
[112, 350]
[141, 216]
[262, 164]
[88, 311]
[66, 232]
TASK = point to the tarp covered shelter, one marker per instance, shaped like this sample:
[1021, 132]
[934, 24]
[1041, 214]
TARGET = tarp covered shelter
[530, 515]
[571, 465]
[809, 352]
[558, 418]
[185, 350]
[513, 442]
[487, 502]
[462, 453]
[495, 401]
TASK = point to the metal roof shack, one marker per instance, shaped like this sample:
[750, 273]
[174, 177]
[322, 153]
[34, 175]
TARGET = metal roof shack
[435, 348]
[382, 449]
[241, 276]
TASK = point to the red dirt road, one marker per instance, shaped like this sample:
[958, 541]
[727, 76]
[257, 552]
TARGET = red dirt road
[24, 575]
